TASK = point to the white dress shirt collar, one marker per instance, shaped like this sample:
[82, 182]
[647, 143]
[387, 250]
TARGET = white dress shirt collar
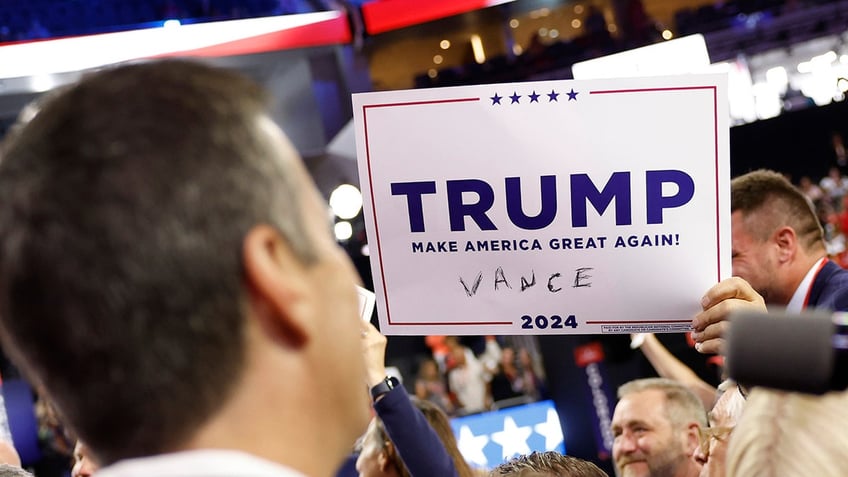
[797, 303]
[198, 463]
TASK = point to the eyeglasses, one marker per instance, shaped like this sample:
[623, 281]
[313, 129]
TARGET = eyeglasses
[743, 391]
[706, 434]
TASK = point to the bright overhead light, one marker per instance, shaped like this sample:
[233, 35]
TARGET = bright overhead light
[343, 231]
[477, 49]
[777, 76]
[42, 82]
[827, 58]
[346, 201]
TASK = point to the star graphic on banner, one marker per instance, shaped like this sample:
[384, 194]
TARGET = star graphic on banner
[471, 446]
[496, 99]
[552, 96]
[534, 98]
[551, 430]
[515, 97]
[513, 439]
[572, 94]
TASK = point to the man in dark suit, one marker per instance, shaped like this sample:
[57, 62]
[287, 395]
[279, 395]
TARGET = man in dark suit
[779, 258]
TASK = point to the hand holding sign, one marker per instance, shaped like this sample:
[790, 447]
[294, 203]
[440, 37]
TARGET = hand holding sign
[730, 295]
[366, 303]
[374, 348]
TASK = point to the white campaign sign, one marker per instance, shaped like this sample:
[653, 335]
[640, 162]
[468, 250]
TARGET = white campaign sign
[596, 206]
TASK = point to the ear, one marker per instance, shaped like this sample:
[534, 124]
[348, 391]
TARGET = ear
[385, 459]
[787, 243]
[693, 441]
[277, 289]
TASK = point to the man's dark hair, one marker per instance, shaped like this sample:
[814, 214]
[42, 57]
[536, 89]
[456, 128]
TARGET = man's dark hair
[123, 206]
[775, 202]
[547, 464]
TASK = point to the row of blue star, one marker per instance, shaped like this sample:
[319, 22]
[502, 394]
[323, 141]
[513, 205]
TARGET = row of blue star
[534, 97]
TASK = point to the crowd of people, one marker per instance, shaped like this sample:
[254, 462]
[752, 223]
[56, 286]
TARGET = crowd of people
[829, 196]
[779, 258]
[506, 371]
[169, 281]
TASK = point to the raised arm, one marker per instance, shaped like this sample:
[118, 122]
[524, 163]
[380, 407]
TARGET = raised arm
[418, 445]
[668, 366]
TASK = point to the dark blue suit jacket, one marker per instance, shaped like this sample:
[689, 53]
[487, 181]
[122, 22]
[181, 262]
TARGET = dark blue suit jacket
[419, 446]
[830, 288]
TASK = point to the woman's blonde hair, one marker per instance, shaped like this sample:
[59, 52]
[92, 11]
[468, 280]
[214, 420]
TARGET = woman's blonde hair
[790, 435]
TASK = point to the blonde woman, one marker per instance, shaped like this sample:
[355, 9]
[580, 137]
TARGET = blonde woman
[790, 435]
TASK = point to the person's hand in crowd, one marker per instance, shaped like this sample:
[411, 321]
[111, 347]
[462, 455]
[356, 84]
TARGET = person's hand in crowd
[374, 348]
[728, 296]
[638, 339]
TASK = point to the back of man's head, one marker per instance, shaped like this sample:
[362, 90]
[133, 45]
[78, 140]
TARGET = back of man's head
[547, 464]
[770, 200]
[124, 203]
[682, 406]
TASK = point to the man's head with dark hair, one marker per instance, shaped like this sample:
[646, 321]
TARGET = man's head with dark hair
[547, 464]
[770, 197]
[776, 235]
[162, 245]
